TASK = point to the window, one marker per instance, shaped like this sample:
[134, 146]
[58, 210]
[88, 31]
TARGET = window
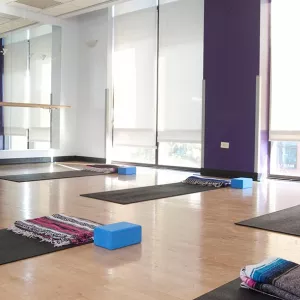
[285, 93]
[180, 82]
[180, 154]
[285, 159]
[134, 71]
[134, 154]
[157, 77]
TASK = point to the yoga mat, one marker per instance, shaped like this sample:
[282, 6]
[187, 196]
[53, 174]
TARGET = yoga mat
[147, 193]
[233, 291]
[14, 247]
[285, 221]
[49, 176]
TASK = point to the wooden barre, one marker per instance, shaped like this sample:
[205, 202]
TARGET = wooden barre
[33, 105]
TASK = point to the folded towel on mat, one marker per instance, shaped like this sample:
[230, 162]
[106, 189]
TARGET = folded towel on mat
[59, 230]
[275, 276]
[101, 169]
[198, 180]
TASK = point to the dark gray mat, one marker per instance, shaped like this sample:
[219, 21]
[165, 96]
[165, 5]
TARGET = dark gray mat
[232, 291]
[15, 247]
[49, 176]
[147, 193]
[285, 221]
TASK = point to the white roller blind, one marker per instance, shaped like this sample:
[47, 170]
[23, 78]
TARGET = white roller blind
[285, 92]
[134, 71]
[15, 83]
[180, 70]
[40, 84]
[39, 134]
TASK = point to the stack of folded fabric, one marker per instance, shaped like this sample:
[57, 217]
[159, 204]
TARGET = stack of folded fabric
[102, 169]
[275, 276]
[198, 180]
[59, 230]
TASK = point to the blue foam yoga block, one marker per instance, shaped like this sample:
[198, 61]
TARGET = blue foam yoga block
[242, 183]
[118, 235]
[127, 170]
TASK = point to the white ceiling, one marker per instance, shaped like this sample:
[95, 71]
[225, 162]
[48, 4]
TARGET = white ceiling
[53, 8]
[8, 22]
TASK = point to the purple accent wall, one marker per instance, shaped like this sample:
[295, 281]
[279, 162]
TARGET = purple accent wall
[231, 64]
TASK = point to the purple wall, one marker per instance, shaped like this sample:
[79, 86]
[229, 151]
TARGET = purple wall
[231, 64]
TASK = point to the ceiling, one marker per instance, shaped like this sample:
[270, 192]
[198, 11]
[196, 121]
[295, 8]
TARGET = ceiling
[54, 8]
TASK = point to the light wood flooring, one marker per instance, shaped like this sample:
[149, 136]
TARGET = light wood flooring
[190, 243]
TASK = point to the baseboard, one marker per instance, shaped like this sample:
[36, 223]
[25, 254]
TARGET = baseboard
[27, 160]
[37, 160]
[229, 174]
[158, 167]
[91, 159]
[64, 158]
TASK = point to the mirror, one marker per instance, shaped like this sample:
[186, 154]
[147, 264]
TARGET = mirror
[28, 59]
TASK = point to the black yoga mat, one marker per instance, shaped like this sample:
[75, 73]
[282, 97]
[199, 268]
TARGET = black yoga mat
[49, 176]
[14, 247]
[285, 221]
[147, 193]
[233, 291]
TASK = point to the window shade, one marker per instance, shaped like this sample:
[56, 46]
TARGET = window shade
[39, 134]
[40, 85]
[134, 70]
[180, 70]
[285, 93]
[15, 84]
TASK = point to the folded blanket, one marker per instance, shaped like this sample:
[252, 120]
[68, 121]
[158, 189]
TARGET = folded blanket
[109, 169]
[59, 230]
[275, 276]
[196, 179]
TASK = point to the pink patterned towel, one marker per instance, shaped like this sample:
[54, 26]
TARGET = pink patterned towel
[59, 230]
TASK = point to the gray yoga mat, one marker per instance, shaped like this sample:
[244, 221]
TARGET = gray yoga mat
[147, 193]
[233, 291]
[49, 176]
[285, 221]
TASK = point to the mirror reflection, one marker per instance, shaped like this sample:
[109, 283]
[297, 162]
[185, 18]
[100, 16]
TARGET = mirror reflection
[26, 64]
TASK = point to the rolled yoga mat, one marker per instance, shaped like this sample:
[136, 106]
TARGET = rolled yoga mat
[147, 193]
[285, 221]
[233, 291]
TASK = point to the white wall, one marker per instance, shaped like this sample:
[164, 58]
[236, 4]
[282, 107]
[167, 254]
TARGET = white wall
[92, 83]
[65, 132]
[69, 92]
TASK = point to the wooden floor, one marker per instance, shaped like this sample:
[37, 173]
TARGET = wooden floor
[190, 243]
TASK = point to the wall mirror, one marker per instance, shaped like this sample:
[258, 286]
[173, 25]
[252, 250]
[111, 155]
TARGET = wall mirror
[29, 65]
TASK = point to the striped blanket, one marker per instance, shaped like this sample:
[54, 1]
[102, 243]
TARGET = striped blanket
[59, 230]
[197, 179]
[102, 169]
[275, 276]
